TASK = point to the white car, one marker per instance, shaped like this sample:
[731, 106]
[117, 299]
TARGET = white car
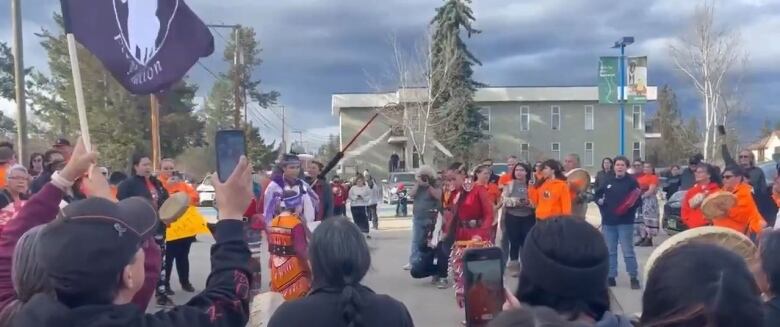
[206, 192]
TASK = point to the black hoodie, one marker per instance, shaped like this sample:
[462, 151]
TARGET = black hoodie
[224, 302]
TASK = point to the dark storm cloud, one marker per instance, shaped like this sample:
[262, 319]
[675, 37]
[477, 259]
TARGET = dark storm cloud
[313, 48]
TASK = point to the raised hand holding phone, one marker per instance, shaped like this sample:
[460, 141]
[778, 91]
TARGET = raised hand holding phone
[230, 146]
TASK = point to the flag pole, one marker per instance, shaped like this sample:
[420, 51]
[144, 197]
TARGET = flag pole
[155, 107]
[80, 106]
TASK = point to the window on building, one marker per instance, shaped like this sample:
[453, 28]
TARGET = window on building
[555, 148]
[637, 117]
[485, 125]
[637, 151]
[525, 118]
[525, 152]
[414, 115]
[588, 154]
[555, 118]
[589, 118]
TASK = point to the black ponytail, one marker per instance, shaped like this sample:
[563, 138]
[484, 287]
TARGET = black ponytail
[339, 260]
[351, 304]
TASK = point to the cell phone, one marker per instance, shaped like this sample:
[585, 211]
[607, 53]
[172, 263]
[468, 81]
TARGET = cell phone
[230, 146]
[721, 130]
[484, 285]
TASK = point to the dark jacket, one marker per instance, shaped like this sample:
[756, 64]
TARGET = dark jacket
[224, 302]
[687, 179]
[772, 312]
[614, 193]
[672, 185]
[38, 183]
[602, 177]
[136, 186]
[322, 308]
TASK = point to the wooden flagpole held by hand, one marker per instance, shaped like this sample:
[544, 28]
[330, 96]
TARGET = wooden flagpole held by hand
[155, 106]
[80, 106]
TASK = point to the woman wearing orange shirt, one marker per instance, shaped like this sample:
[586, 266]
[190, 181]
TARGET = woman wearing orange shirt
[707, 182]
[551, 194]
[482, 178]
[648, 183]
[744, 217]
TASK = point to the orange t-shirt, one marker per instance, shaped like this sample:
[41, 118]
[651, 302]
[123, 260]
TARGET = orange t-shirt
[646, 181]
[506, 178]
[3, 175]
[693, 217]
[552, 199]
[183, 187]
[744, 216]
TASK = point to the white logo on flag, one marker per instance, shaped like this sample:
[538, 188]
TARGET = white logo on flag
[143, 27]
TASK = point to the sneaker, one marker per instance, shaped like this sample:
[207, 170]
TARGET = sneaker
[635, 284]
[368, 236]
[611, 282]
[169, 291]
[639, 242]
[187, 287]
[408, 266]
[443, 284]
[513, 268]
[648, 242]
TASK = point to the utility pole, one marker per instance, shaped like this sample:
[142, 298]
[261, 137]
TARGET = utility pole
[300, 139]
[284, 131]
[21, 104]
[238, 62]
[237, 68]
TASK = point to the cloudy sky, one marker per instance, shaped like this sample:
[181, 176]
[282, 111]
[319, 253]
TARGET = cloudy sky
[313, 48]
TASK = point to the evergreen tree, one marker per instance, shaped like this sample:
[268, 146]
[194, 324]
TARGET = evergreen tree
[677, 141]
[461, 120]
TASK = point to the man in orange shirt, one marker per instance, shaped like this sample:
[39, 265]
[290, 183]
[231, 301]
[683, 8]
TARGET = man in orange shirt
[744, 217]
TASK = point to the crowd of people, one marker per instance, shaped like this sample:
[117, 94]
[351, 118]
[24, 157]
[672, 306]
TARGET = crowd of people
[83, 246]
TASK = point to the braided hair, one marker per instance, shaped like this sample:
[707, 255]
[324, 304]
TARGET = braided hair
[339, 260]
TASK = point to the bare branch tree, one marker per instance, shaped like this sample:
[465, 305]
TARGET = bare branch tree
[412, 73]
[708, 58]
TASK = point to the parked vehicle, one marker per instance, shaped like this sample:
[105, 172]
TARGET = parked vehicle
[206, 192]
[672, 221]
[390, 186]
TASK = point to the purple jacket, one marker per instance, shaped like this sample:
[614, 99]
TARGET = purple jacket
[40, 209]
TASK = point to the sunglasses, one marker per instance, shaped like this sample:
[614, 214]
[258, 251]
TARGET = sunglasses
[744, 157]
[728, 176]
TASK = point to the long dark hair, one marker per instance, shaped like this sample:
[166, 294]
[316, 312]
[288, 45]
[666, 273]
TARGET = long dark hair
[611, 165]
[555, 165]
[527, 168]
[32, 158]
[135, 160]
[770, 262]
[339, 260]
[701, 285]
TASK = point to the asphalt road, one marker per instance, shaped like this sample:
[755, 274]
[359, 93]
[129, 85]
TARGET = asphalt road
[428, 305]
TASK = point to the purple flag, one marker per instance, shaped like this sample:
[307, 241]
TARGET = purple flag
[148, 45]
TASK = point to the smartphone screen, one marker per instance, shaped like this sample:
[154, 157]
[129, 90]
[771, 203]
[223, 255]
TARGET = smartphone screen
[230, 145]
[484, 287]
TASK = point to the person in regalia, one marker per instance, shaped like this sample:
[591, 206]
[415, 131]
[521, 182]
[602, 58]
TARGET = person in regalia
[285, 178]
[288, 246]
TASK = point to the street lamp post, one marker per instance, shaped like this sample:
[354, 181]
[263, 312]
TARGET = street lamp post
[622, 43]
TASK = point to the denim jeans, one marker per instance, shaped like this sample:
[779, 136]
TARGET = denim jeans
[623, 234]
[419, 227]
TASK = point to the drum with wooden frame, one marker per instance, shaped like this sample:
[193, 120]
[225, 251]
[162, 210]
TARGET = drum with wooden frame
[173, 208]
[718, 204]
